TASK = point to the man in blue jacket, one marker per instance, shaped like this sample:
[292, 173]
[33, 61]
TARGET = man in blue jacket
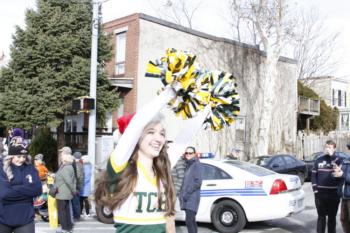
[325, 187]
[190, 189]
[19, 184]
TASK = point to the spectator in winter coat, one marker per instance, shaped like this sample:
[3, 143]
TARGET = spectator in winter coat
[40, 166]
[65, 182]
[325, 187]
[190, 189]
[19, 184]
[178, 174]
[85, 191]
[79, 176]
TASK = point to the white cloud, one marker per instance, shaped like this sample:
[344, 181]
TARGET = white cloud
[11, 14]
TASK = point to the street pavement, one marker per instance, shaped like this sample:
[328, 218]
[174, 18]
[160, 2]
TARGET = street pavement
[304, 222]
[90, 225]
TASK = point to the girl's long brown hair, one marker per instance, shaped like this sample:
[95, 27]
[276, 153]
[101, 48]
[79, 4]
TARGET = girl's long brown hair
[113, 192]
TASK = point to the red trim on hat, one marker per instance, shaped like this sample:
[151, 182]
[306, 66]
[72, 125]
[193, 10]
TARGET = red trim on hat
[124, 121]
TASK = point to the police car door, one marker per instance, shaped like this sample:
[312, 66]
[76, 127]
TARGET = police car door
[215, 182]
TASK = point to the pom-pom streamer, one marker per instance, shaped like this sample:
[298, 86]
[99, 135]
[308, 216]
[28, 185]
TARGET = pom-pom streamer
[196, 88]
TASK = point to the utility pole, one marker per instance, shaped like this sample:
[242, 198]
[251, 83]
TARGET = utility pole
[93, 81]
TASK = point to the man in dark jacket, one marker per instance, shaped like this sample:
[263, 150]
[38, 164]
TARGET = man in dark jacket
[190, 189]
[79, 176]
[325, 186]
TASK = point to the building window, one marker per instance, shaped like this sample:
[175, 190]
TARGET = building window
[71, 126]
[74, 126]
[339, 98]
[120, 50]
[344, 122]
[120, 110]
[68, 126]
[345, 104]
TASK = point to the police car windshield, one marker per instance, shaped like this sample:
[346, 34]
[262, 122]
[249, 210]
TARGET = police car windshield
[249, 167]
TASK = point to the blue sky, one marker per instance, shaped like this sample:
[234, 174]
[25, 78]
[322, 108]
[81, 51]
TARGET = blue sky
[335, 13]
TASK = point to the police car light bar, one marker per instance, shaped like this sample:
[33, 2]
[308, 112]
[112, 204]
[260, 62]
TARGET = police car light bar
[206, 155]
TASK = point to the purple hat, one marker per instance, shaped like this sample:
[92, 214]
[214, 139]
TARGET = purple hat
[17, 132]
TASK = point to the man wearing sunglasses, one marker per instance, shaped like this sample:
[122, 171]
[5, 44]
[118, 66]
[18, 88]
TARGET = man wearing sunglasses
[190, 189]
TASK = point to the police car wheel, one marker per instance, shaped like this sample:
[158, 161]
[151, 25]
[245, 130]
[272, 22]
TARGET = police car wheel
[228, 216]
[104, 214]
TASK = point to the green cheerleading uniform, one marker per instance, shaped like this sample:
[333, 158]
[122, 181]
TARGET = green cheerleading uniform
[140, 211]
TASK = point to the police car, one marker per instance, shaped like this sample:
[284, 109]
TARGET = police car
[235, 192]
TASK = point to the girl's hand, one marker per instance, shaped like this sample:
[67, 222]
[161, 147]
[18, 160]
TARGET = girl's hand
[169, 92]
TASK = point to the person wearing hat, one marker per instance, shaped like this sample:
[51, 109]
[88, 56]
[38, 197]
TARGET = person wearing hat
[79, 176]
[64, 150]
[43, 172]
[65, 182]
[85, 190]
[19, 184]
[40, 166]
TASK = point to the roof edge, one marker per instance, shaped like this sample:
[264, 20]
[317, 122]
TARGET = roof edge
[210, 37]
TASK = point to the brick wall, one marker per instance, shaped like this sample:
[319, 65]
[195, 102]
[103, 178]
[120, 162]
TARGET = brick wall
[130, 22]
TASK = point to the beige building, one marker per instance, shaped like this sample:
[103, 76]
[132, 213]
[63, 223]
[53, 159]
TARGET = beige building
[335, 92]
[139, 38]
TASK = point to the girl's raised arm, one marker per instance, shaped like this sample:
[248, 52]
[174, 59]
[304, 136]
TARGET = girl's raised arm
[132, 134]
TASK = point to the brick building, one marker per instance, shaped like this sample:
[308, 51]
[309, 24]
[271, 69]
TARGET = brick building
[139, 38]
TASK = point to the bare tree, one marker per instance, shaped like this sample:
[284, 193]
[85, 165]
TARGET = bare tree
[314, 46]
[274, 26]
[177, 11]
[243, 29]
[268, 24]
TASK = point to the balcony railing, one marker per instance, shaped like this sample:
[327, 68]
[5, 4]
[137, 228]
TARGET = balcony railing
[309, 106]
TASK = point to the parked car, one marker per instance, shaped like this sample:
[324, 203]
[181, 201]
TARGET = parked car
[311, 160]
[235, 192]
[284, 164]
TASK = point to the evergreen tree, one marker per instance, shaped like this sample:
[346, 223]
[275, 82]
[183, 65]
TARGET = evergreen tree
[45, 144]
[50, 66]
[328, 118]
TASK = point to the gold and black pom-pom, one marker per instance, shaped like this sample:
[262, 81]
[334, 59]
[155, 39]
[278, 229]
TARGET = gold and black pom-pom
[196, 88]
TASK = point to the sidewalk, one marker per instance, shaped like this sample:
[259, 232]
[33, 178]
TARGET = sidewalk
[84, 225]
